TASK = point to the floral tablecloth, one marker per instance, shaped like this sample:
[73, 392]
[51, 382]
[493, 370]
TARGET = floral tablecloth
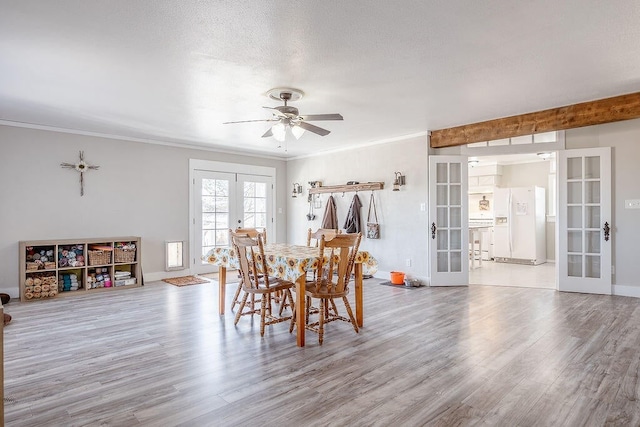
[287, 261]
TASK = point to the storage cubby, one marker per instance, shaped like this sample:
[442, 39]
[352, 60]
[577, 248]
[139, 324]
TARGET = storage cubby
[99, 277]
[73, 255]
[57, 268]
[39, 285]
[40, 257]
[124, 275]
[70, 280]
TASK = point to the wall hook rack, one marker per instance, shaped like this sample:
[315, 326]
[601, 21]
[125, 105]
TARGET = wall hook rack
[347, 188]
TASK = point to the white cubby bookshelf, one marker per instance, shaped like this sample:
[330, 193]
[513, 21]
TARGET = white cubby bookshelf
[65, 267]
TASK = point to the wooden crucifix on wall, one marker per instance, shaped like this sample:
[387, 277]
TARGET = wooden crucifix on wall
[81, 167]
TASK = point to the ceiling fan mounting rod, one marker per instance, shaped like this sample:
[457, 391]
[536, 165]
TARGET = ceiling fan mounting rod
[285, 96]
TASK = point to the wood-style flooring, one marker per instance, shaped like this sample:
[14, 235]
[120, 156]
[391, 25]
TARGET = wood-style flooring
[160, 355]
[524, 276]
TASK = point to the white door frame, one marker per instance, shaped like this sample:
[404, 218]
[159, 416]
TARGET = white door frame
[448, 278]
[238, 168]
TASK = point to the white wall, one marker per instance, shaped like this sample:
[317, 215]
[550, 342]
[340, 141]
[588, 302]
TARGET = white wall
[140, 190]
[403, 225]
[526, 174]
[624, 137]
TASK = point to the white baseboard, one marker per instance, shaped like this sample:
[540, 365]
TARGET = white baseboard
[159, 275]
[14, 293]
[626, 291]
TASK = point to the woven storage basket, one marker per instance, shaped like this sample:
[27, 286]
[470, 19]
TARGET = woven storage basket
[32, 266]
[124, 255]
[99, 257]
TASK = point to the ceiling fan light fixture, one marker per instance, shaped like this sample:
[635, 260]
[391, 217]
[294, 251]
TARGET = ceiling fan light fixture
[289, 123]
[279, 132]
[297, 131]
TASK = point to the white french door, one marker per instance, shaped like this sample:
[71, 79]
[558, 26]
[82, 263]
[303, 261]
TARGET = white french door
[224, 200]
[448, 221]
[584, 220]
[254, 195]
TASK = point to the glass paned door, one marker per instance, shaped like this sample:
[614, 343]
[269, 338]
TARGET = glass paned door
[226, 201]
[214, 198]
[584, 219]
[256, 195]
[448, 219]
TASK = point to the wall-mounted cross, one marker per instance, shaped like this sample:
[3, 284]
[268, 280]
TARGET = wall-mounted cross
[81, 167]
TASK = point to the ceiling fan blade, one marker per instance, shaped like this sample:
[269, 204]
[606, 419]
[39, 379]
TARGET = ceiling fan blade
[268, 133]
[313, 128]
[249, 121]
[311, 117]
[277, 112]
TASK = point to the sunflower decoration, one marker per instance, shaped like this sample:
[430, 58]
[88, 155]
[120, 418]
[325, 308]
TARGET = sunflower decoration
[81, 167]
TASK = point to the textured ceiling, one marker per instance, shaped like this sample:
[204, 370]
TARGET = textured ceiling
[174, 71]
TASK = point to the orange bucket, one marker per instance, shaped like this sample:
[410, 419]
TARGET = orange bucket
[397, 278]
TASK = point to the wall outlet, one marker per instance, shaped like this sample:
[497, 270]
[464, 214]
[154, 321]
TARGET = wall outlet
[408, 262]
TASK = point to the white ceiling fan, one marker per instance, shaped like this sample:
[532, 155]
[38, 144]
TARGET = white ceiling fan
[288, 119]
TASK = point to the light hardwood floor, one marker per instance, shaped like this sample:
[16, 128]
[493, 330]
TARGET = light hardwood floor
[160, 355]
[493, 273]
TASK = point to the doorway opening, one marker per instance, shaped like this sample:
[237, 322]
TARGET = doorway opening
[512, 227]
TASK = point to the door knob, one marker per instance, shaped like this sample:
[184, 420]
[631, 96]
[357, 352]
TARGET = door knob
[607, 230]
[433, 230]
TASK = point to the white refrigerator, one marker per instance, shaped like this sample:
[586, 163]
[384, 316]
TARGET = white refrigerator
[519, 232]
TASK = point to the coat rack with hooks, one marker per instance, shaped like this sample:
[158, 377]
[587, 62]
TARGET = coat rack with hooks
[365, 186]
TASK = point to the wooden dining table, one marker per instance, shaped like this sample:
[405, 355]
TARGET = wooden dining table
[289, 262]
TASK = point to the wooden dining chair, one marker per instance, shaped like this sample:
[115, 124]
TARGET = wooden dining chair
[337, 255]
[252, 262]
[313, 240]
[314, 236]
[253, 233]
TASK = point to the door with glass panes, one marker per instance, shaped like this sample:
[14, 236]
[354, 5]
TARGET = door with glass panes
[584, 220]
[226, 201]
[448, 221]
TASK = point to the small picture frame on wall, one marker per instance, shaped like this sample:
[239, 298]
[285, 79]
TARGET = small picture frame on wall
[483, 205]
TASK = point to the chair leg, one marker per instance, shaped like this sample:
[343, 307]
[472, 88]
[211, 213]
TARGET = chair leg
[308, 307]
[293, 320]
[263, 312]
[236, 297]
[283, 302]
[353, 319]
[335, 308]
[268, 301]
[321, 320]
[242, 304]
[292, 304]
